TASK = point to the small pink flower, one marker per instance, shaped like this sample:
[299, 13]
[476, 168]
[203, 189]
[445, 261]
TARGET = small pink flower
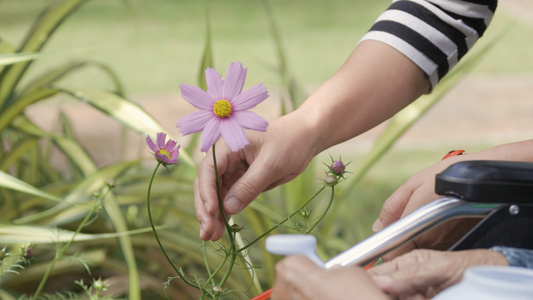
[164, 153]
[223, 108]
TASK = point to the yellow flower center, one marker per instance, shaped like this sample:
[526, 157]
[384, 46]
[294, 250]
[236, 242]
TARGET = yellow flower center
[222, 108]
[164, 151]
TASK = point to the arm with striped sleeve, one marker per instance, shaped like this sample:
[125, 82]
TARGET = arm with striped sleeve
[407, 51]
[434, 34]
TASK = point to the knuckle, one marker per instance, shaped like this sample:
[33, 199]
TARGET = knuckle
[247, 188]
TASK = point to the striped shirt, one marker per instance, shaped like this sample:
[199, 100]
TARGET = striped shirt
[434, 34]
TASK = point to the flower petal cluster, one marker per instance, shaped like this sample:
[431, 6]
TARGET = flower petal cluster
[165, 153]
[223, 108]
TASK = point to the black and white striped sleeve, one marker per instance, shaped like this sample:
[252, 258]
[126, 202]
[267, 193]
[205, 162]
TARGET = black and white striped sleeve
[434, 34]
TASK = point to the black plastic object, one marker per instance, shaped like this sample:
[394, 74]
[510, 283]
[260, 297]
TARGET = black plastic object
[501, 229]
[487, 181]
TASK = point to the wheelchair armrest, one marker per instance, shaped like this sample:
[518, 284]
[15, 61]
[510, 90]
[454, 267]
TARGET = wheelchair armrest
[487, 181]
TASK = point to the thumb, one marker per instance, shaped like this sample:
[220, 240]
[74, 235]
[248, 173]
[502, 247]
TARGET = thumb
[393, 208]
[254, 181]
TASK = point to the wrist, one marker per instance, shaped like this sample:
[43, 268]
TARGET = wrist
[306, 130]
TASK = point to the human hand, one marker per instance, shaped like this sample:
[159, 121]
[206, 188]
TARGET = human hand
[415, 193]
[271, 159]
[419, 190]
[421, 274]
[297, 278]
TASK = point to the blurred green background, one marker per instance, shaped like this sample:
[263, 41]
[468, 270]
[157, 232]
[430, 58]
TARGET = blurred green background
[155, 45]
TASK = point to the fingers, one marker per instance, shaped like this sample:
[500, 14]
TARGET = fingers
[205, 195]
[415, 274]
[421, 274]
[298, 278]
[393, 207]
[258, 178]
[293, 275]
[210, 225]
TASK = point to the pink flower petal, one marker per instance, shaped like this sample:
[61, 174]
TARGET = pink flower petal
[160, 140]
[234, 135]
[234, 80]
[210, 135]
[150, 143]
[176, 151]
[250, 120]
[194, 122]
[196, 96]
[215, 84]
[250, 98]
[170, 145]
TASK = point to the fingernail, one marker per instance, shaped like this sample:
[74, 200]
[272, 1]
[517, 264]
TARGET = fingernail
[377, 225]
[233, 205]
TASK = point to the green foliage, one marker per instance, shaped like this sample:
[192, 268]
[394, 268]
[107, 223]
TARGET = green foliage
[46, 204]
[41, 195]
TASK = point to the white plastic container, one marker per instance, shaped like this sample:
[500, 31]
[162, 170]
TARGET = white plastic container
[492, 283]
[290, 244]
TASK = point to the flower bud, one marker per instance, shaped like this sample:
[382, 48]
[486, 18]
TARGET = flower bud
[235, 228]
[217, 290]
[331, 180]
[99, 285]
[28, 253]
[111, 183]
[337, 167]
[306, 212]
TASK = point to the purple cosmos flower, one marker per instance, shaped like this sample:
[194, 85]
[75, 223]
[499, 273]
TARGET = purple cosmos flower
[164, 153]
[224, 108]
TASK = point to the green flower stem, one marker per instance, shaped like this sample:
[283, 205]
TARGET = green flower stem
[284, 220]
[325, 212]
[228, 227]
[157, 236]
[206, 262]
[212, 275]
[219, 196]
[61, 251]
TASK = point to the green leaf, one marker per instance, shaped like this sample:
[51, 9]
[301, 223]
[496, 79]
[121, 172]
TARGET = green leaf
[58, 73]
[9, 59]
[207, 57]
[38, 35]
[123, 110]
[14, 110]
[5, 48]
[16, 152]
[9, 182]
[72, 149]
[296, 95]
[20, 234]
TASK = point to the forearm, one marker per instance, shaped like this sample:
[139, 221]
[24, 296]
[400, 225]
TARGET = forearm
[408, 50]
[518, 151]
[374, 83]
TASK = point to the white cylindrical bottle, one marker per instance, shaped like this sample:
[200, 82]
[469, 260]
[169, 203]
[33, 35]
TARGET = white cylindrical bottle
[492, 283]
